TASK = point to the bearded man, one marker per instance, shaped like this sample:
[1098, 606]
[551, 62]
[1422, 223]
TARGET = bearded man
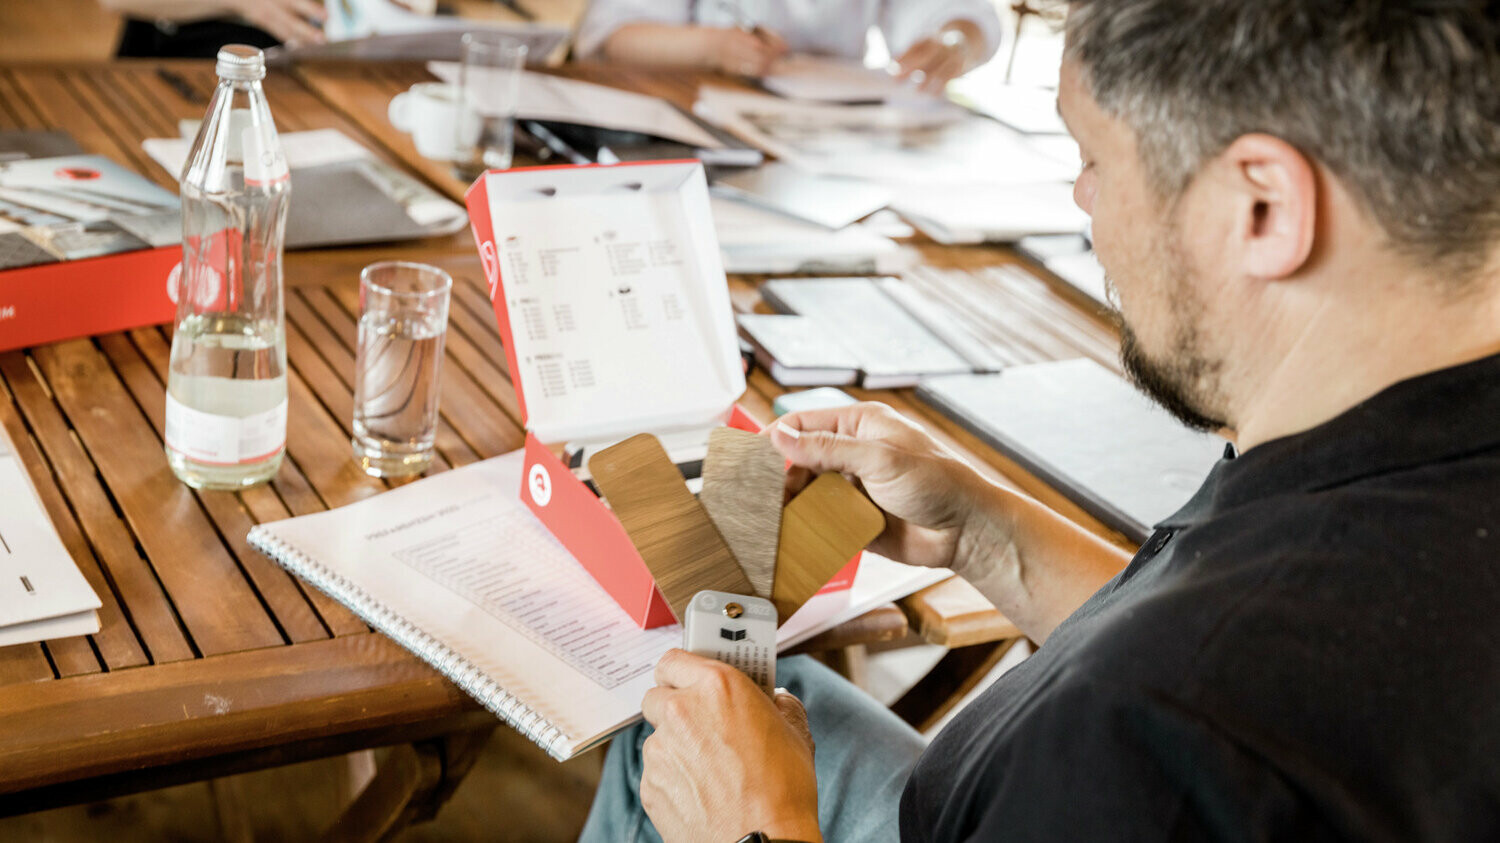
[1298, 204]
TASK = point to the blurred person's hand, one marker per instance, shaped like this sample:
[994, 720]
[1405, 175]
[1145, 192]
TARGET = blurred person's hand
[741, 53]
[293, 22]
[932, 62]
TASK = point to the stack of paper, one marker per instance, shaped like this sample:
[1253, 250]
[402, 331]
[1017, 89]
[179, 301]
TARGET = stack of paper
[42, 593]
[552, 98]
[991, 214]
[1086, 432]
[840, 331]
[826, 79]
[755, 240]
[1069, 258]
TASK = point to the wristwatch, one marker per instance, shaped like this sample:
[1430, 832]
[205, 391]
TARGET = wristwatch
[760, 837]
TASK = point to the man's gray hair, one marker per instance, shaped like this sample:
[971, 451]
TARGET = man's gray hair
[1400, 100]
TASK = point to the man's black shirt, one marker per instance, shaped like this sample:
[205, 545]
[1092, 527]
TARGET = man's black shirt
[1309, 649]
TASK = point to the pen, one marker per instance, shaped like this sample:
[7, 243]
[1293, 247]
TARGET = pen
[180, 85]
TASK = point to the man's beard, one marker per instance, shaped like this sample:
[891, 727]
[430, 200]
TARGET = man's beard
[1185, 381]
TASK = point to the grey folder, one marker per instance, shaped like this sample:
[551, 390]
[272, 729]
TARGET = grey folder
[359, 202]
[1087, 433]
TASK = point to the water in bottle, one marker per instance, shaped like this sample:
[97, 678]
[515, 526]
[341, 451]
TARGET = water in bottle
[226, 389]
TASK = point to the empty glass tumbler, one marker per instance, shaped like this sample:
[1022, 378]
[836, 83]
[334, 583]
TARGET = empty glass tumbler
[491, 83]
[403, 318]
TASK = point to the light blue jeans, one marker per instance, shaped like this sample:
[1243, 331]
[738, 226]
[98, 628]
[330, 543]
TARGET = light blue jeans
[863, 758]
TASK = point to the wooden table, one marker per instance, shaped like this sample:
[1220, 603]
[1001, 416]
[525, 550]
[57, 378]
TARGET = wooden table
[211, 659]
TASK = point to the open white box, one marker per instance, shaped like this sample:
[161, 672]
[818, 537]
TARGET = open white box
[612, 303]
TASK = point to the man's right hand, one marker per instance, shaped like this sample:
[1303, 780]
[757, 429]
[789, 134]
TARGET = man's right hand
[929, 494]
[1034, 565]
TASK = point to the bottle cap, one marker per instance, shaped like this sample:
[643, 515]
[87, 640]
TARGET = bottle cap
[241, 63]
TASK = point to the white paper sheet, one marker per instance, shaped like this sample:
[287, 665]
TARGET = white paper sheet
[991, 214]
[826, 79]
[547, 97]
[38, 578]
[313, 148]
[932, 144]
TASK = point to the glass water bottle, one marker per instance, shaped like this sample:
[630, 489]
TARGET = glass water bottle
[226, 391]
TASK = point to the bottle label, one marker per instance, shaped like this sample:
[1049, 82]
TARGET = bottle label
[225, 440]
[265, 162]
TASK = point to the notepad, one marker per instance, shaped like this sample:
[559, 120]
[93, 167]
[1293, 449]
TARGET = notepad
[454, 568]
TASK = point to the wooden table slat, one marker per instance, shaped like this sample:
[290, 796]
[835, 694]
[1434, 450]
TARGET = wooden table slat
[60, 108]
[285, 602]
[150, 613]
[116, 641]
[24, 664]
[19, 101]
[215, 602]
[472, 412]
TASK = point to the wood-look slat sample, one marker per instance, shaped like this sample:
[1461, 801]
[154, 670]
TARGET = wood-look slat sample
[669, 528]
[744, 479]
[821, 530]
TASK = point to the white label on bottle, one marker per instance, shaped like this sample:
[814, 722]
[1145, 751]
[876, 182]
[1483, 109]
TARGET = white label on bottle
[265, 163]
[225, 440]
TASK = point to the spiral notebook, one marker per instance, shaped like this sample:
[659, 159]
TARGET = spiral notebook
[457, 570]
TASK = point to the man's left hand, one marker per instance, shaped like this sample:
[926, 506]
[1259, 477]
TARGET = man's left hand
[725, 760]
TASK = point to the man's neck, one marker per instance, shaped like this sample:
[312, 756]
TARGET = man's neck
[1338, 358]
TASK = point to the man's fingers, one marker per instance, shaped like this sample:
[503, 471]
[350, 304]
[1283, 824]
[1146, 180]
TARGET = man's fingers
[794, 713]
[679, 669]
[653, 704]
[821, 450]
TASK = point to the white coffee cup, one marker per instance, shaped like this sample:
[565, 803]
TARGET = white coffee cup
[434, 115]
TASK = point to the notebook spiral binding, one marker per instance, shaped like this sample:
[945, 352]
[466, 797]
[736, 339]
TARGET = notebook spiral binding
[446, 660]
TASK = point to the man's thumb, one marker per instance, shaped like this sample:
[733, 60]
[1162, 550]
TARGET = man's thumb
[794, 713]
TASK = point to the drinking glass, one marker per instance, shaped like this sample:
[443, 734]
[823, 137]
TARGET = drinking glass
[403, 318]
[490, 82]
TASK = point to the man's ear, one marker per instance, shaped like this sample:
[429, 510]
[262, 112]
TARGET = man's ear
[1277, 197]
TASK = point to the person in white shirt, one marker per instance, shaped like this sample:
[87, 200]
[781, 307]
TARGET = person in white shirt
[934, 40]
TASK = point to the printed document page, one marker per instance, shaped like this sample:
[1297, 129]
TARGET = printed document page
[38, 578]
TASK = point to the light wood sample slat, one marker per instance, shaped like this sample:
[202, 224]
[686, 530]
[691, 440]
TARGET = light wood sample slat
[821, 530]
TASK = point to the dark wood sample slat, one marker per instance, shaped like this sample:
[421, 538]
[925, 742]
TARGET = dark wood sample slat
[275, 586]
[216, 603]
[150, 613]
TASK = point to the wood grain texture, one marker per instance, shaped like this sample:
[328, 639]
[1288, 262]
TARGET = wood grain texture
[821, 530]
[953, 613]
[675, 537]
[744, 479]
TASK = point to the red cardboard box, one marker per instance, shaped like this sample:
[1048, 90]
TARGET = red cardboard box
[90, 247]
[611, 299]
[78, 298]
